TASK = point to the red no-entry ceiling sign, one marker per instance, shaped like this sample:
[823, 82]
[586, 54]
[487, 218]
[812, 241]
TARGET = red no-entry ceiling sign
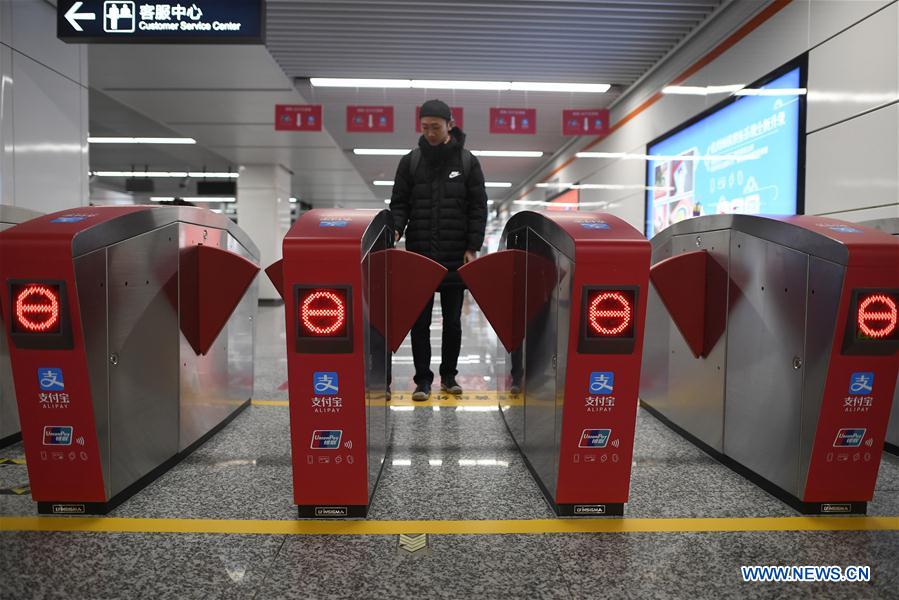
[369, 119]
[298, 117]
[513, 120]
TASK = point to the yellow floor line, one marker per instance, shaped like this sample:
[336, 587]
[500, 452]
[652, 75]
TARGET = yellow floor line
[271, 403]
[525, 526]
[397, 403]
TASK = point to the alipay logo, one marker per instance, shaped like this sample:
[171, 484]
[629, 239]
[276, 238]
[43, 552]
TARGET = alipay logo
[602, 382]
[325, 383]
[50, 379]
[861, 383]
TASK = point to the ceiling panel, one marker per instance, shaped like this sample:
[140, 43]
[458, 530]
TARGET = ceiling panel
[224, 96]
[590, 41]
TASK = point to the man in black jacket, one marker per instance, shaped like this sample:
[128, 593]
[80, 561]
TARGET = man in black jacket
[440, 203]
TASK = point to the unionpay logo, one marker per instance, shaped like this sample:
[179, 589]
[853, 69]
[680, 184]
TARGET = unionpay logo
[595, 438]
[50, 379]
[861, 383]
[602, 382]
[849, 438]
[325, 383]
[326, 439]
[58, 435]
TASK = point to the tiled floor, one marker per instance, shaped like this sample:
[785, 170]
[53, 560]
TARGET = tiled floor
[445, 464]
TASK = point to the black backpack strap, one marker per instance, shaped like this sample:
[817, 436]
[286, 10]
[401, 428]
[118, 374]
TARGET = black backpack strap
[466, 164]
[413, 163]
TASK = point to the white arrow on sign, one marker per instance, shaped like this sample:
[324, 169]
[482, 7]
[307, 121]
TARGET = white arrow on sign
[73, 16]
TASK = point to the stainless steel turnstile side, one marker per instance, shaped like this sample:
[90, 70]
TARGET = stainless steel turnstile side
[533, 412]
[782, 302]
[212, 386]
[9, 413]
[153, 396]
[697, 405]
[890, 226]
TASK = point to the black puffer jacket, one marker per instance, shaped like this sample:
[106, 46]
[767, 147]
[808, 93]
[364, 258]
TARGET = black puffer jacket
[441, 210]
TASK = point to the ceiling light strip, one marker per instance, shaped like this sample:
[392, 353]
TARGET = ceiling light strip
[484, 153]
[490, 184]
[458, 84]
[140, 140]
[160, 174]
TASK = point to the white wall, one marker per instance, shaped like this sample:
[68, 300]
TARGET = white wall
[852, 145]
[43, 111]
[263, 212]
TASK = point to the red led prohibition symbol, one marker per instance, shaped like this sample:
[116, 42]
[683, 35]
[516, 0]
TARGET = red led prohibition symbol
[609, 313]
[877, 316]
[37, 308]
[323, 313]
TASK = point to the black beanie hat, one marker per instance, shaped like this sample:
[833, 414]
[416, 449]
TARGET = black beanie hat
[435, 108]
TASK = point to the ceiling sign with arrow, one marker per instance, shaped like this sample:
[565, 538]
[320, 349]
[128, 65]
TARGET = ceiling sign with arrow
[138, 22]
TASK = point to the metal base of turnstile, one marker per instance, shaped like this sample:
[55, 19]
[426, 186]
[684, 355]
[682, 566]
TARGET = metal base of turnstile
[102, 508]
[610, 509]
[11, 439]
[353, 511]
[806, 508]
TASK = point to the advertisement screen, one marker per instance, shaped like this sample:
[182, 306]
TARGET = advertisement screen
[740, 158]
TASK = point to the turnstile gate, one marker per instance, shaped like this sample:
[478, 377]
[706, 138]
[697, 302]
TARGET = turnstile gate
[566, 295]
[349, 298]
[131, 336]
[891, 445]
[773, 345]
[9, 414]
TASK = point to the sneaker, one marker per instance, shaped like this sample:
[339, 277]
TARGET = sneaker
[450, 386]
[422, 392]
[515, 389]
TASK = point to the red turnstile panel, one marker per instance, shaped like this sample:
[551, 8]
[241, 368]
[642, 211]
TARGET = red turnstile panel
[566, 296]
[350, 299]
[98, 299]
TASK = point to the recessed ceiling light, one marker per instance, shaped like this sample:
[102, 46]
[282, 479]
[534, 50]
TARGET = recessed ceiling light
[210, 174]
[490, 184]
[486, 153]
[449, 84]
[140, 173]
[349, 82]
[538, 86]
[698, 90]
[201, 174]
[444, 84]
[508, 153]
[771, 92]
[140, 140]
[380, 151]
